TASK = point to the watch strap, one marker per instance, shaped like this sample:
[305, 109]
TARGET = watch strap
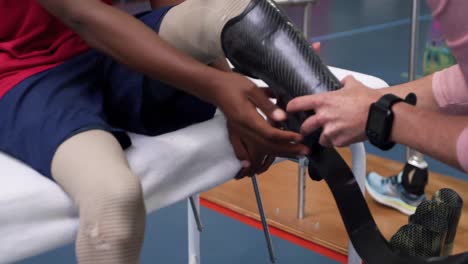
[388, 100]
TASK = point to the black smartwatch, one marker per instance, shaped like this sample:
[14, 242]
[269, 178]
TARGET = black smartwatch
[380, 120]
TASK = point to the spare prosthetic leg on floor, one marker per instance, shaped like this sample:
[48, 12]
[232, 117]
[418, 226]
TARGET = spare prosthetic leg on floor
[262, 42]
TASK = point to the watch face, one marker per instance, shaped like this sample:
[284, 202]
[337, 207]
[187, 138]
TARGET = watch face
[378, 117]
[377, 123]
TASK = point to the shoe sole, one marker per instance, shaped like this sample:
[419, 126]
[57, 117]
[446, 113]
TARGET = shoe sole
[391, 202]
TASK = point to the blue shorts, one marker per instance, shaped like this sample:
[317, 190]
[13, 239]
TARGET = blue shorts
[91, 91]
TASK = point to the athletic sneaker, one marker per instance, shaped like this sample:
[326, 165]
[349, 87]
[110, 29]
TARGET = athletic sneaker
[389, 191]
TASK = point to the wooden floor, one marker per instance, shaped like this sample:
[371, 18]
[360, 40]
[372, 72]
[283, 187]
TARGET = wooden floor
[322, 223]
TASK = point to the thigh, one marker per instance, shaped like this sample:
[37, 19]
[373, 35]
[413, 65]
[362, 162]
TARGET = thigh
[139, 104]
[44, 110]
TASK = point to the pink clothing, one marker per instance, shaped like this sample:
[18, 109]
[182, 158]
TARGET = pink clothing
[451, 91]
[462, 149]
[450, 87]
[452, 15]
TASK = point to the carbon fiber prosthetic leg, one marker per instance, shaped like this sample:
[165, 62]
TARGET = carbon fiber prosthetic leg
[263, 42]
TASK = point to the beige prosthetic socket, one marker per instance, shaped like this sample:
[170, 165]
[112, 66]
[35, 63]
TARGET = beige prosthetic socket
[92, 168]
[194, 27]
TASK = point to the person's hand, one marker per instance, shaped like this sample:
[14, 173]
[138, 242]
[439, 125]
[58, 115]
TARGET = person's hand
[257, 156]
[253, 160]
[341, 114]
[256, 142]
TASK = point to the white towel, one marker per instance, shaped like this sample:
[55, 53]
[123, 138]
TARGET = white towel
[36, 215]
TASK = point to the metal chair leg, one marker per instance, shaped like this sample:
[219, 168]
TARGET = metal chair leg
[301, 187]
[305, 19]
[193, 230]
[414, 157]
[196, 213]
[266, 230]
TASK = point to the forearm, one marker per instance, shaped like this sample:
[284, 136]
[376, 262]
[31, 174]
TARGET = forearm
[161, 3]
[130, 42]
[421, 87]
[432, 133]
[222, 65]
[444, 91]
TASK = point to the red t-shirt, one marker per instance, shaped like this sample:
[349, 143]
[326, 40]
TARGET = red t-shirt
[31, 41]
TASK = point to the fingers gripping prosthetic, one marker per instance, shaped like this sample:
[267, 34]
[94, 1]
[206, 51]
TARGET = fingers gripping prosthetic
[260, 41]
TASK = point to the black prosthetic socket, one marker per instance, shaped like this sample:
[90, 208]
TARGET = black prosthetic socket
[262, 42]
[414, 179]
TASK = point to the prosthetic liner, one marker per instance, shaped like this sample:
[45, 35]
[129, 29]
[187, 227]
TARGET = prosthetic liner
[263, 42]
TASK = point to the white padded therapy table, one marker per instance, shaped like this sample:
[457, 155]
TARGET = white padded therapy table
[37, 216]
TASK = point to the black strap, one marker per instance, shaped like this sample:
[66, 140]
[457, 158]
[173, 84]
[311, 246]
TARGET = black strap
[388, 100]
[360, 225]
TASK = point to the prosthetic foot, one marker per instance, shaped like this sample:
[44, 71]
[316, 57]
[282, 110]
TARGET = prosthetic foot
[262, 42]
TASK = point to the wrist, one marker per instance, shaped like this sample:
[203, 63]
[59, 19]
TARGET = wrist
[228, 87]
[370, 99]
[217, 81]
[210, 85]
[401, 112]
[379, 125]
